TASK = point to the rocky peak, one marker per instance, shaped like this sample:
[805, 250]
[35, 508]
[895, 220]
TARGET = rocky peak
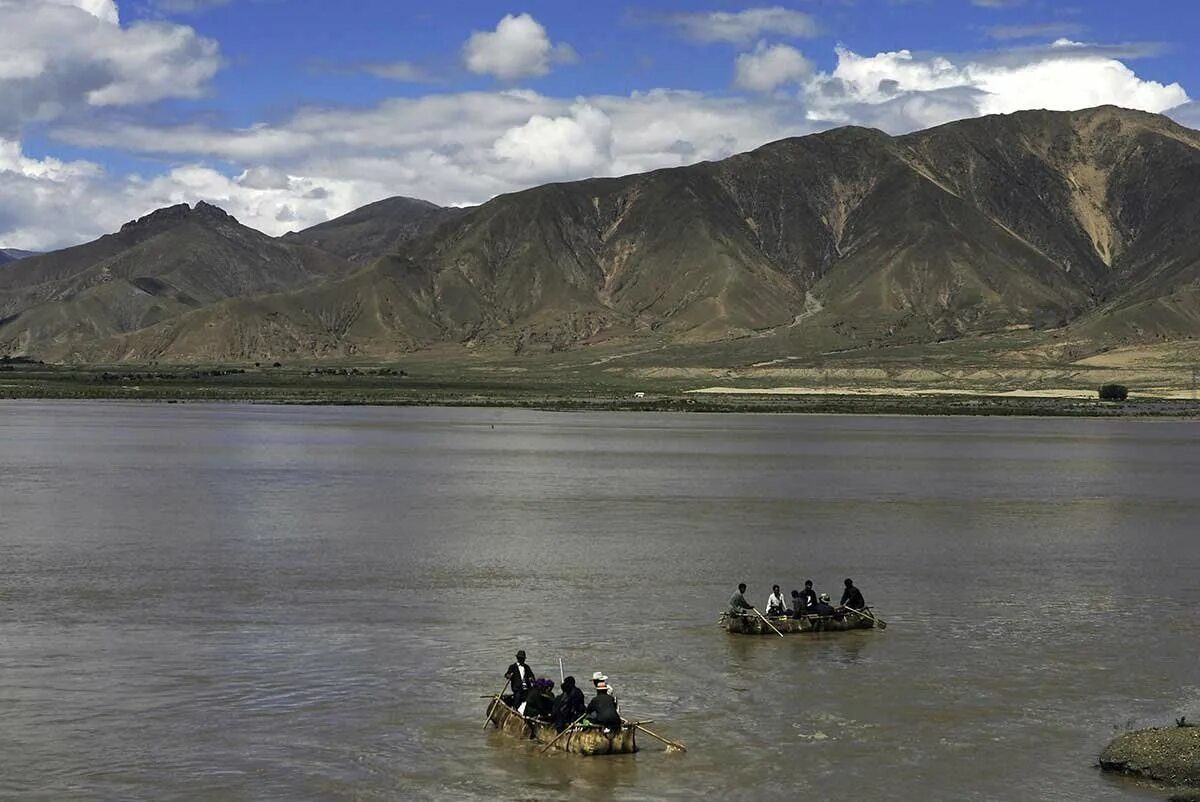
[170, 216]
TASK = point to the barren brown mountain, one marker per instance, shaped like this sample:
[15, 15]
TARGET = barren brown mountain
[375, 230]
[1078, 224]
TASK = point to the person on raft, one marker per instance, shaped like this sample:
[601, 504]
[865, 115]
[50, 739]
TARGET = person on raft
[808, 599]
[853, 597]
[599, 677]
[823, 607]
[521, 677]
[602, 710]
[775, 603]
[737, 602]
[568, 706]
[539, 700]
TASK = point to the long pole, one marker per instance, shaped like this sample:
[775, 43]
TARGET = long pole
[882, 624]
[562, 675]
[764, 618]
[672, 744]
[495, 701]
[564, 732]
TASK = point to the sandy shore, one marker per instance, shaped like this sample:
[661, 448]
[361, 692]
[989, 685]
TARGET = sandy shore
[918, 392]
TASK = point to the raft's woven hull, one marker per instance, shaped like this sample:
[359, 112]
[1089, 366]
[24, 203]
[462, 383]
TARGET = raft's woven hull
[580, 740]
[753, 625]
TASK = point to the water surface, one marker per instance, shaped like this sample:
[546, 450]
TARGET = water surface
[240, 602]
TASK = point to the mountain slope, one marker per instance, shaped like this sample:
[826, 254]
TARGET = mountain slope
[374, 230]
[1078, 223]
[160, 266]
[14, 254]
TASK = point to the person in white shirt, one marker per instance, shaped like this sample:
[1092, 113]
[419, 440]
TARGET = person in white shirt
[775, 602]
[521, 677]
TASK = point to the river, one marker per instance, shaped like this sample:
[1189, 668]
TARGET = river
[252, 602]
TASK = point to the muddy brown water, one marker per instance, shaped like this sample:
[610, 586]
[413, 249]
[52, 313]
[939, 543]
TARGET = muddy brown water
[241, 602]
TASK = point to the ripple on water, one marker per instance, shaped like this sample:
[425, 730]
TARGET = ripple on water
[229, 602]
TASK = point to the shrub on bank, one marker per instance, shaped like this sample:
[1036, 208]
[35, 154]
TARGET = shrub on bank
[1114, 392]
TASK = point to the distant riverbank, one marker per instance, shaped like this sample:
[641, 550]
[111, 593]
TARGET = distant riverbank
[391, 387]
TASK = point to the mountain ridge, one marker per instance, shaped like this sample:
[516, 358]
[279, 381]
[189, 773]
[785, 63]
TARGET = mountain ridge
[369, 232]
[1073, 222]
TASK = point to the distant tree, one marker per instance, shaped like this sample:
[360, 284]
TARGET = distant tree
[277, 365]
[1114, 392]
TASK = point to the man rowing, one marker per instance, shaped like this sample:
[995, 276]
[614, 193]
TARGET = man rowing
[602, 710]
[852, 597]
[737, 602]
[599, 677]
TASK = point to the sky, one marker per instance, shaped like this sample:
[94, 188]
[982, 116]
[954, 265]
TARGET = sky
[287, 113]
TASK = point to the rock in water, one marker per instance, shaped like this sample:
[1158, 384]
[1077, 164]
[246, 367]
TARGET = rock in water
[1166, 754]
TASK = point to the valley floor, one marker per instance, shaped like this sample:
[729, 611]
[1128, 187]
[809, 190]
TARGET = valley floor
[589, 381]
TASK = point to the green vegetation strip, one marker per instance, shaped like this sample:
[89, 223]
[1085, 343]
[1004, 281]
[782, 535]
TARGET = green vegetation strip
[459, 387]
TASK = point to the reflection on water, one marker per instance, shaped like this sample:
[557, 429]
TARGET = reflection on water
[289, 603]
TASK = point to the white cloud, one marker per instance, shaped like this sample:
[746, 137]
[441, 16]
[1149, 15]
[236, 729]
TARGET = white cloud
[901, 91]
[404, 71]
[550, 147]
[449, 148]
[742, 27]
[269, 201]
[771, 66]
[188, 6]
[466, 147]
[518, 48]
[105, 10]
[1041, 30]
[46, 202]
[59, 55]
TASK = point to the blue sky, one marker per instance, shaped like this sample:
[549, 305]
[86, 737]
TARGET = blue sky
[621, 48]
[288, 112]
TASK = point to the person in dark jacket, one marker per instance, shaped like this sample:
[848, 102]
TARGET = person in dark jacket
[823, 607]
[569, 705]
[853, 597]
[539, 701]
[808, 599]
[602, 710]
[521, 677]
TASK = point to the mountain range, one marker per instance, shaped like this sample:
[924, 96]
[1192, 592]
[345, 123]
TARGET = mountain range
[1073, 225]
[13, 254]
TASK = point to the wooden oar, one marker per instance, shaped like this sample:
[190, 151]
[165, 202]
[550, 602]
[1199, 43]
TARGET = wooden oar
[672, 744]
[564, 732]
[488, 716]
[879, 621]
[764, 618]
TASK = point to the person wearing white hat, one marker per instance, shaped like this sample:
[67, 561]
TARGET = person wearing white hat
[599, 677]
[602, 710]
[823, 607]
